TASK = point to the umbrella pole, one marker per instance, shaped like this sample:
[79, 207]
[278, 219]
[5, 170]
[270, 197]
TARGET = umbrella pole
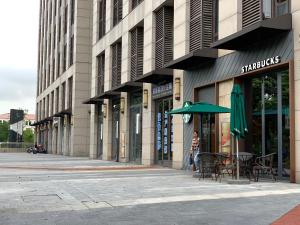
[237, 160]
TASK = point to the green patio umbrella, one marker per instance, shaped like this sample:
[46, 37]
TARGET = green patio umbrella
[238, 124]
[200, 107]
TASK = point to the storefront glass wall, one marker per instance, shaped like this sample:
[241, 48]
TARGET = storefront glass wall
[268, 119]
[99, 131]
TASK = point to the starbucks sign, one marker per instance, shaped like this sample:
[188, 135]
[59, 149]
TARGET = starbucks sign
[187, 118]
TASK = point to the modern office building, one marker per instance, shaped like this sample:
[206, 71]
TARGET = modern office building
[154, 55]
[114, 68]
[64, 66]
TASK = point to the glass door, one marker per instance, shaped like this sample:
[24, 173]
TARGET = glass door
[135, 131]
[270, 119]
[115, 130]
[164, 132]
[100, 132]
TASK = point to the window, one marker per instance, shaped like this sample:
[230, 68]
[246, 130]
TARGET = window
[71, 51]
[203, 23]
[58, 65]
[66, 20]
[137, 52]
[163, 36]
[101, 18]
[70, 96]
[57, 100]
[116, 64]
[117, 11]
[72, 11]
[65, 58]
[254, 11]
[135, 3]
[63, 96]
[52, 103]
[100, 77]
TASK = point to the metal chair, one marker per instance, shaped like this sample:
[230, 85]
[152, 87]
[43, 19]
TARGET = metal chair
[207, 164]
[264, 165]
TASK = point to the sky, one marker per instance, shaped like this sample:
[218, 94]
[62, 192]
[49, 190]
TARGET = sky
[19, 21]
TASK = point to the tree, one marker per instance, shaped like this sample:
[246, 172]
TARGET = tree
[4, 127]
[28, 136]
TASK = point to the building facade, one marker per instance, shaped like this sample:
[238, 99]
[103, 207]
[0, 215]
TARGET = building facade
[149, 57]
[64, 65]
[135, 60]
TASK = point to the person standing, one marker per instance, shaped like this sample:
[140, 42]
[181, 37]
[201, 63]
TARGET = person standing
[195, 152]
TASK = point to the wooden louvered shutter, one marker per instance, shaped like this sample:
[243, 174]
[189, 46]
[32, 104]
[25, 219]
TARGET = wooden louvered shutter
[102, 14]
[163, 36]
[201, 23]
[116, 64]
[251, 12]
[100, 78]
[137, 52]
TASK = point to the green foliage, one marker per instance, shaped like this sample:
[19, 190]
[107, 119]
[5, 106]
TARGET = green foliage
[28, 136]
[4, 127]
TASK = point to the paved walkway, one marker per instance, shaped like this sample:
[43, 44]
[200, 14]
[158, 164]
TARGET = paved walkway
[131, 197]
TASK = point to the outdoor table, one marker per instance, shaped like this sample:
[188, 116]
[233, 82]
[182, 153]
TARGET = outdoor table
[246, 163]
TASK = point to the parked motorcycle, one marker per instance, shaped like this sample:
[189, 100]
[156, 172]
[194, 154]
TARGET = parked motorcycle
[37, 149]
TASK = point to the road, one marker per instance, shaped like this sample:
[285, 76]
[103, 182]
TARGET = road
[58, 190]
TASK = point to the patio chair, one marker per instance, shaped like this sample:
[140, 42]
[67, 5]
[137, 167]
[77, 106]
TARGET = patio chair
[207, 164]
[264, 165]
[223, 165]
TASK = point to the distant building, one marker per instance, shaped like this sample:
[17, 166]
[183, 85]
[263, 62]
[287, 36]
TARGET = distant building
[28, 120]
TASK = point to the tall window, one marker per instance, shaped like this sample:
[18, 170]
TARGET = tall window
[52, 103]
[101, 18]
[71, 51]
[72, 11]
[203, 23]
[117, 11]
[163, 36]
[137, 52]
[116, 64]
[57, 100]
[66, 20]
[135, 3]
[65, 58]
[100, 77]
[70, 96]
[63, 96]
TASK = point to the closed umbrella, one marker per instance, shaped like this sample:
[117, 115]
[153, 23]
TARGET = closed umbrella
[238, 124]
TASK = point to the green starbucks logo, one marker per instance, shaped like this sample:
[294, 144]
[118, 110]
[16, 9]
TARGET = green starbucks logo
[187, 117]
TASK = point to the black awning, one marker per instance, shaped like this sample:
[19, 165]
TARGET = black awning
[108, 95]
[63, 112]
[35, 124]
[158, 76]
[128, 86]
[193, 59]
[255, 33]
[93, 100]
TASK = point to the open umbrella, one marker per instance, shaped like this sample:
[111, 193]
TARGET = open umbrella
[200, 107]
[238, 124]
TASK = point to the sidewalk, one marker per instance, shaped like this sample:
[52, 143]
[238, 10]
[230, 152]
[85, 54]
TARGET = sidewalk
[59, 162]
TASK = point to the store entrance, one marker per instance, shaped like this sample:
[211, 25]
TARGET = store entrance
[164, 132]
[115, 129]
[135, 130]
[100, 132]
[268, 116]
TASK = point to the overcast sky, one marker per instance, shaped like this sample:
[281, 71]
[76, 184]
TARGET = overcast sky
[18, 54]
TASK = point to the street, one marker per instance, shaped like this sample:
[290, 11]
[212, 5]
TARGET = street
[59, 190]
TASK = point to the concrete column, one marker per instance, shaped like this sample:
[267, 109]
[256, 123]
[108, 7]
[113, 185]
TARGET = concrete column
[181, 48]
[230, 19]
[148, 129]
[295, 8]
[107, 127]
[124, 131]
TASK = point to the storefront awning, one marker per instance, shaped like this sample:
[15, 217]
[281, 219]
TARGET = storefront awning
[63, 112]
[93, 100]
[128, 86]
[257, 32]
[108, 95]
[158, 76]
[193, 59]
[35, 124]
